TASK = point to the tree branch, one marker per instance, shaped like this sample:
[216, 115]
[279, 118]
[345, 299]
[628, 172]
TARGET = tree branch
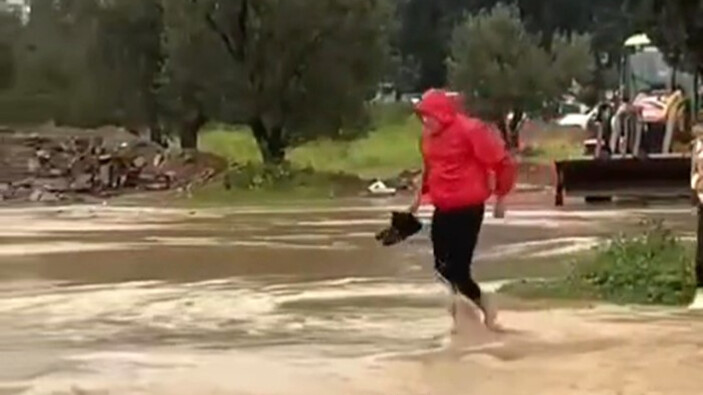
[237, 50]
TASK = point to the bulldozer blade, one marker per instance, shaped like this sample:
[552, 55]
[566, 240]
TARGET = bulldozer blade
[664, 176]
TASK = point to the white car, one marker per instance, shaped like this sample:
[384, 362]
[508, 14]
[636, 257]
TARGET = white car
[578, 120]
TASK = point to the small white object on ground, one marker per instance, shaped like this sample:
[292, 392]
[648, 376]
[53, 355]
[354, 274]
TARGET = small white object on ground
[697, 301]
[379, 188]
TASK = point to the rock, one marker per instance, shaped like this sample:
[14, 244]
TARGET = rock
[158, 160]
[33, 165]
[82, 145]
[49, 197]
[62, 161]
[105, 175]
[36, 195]
[54, 172]
[53, 184]
[43, 154]
[156, 186]
[26, 183]
[139, 162]
[155, 182]
[82, 183]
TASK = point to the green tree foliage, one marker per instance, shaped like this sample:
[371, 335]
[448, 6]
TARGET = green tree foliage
[125, 60]
[10, 29]
[607, 22]
[501, 67]
[675, 26]
[427, 28]
[290, 69]
[425, 33]
[49, 54]
[97, 59]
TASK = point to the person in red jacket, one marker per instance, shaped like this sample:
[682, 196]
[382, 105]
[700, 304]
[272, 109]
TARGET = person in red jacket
[465, 163]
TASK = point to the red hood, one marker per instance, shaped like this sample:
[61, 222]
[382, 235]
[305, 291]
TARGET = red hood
[439, 105]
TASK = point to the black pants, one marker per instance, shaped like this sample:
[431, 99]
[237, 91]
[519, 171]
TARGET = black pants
[454, 237]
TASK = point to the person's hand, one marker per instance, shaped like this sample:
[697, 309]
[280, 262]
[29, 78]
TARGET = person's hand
[499, 208]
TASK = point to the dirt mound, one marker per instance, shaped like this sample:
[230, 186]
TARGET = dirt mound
[50, 164]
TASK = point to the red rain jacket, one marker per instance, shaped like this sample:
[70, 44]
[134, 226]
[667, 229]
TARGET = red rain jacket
[461, 156]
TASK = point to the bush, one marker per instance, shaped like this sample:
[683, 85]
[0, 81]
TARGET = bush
[385, 152]
[384, 114]
[654, 267]
[254, 177]
[18, 109]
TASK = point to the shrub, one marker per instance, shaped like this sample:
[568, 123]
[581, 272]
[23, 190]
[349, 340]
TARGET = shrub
[653, 267]
[286, 177]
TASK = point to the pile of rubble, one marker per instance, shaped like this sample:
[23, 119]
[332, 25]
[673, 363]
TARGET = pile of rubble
[65, 167]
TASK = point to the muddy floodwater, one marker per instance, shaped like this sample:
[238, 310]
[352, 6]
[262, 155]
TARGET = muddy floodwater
[254, 300]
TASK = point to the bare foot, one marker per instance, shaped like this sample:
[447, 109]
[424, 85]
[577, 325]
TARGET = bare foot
[490, 314]
[494, 326]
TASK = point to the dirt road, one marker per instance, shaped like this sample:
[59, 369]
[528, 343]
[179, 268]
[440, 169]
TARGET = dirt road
[118, 300]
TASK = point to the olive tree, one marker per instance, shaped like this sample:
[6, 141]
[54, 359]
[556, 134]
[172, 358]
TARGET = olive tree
[291, 70]
[501, 68]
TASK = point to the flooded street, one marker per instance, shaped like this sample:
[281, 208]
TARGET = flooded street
[136, 300]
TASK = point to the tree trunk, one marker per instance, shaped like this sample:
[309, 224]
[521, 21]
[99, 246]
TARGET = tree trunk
[157, 134]
[270, 141]
[498, 116]
[514, 129]
[189, 131]
[189, 137]
[503, 128]
[156, 131]
[699, 246]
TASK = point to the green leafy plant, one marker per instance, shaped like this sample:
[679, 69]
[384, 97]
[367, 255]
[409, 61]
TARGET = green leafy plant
[653, 267]
[253, 177]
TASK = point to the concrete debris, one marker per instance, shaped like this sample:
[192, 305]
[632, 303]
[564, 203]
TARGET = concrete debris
[53, 166]
[36, 195]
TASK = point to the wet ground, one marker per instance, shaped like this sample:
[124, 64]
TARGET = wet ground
[135, 300]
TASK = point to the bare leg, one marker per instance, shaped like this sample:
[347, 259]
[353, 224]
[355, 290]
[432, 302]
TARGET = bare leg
[452, 312]
[490, 314]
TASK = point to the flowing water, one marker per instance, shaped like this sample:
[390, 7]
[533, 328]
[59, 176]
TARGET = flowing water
[139, 300]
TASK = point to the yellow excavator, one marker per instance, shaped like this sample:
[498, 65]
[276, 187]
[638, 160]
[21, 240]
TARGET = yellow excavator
[640, 142]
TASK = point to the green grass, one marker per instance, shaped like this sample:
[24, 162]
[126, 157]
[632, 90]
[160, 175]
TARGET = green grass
[214, 195]
[385, 152]
[391, 148]
[652, 267]
[316, 171]
[232, 143]
[548, 143]
[553, 150]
